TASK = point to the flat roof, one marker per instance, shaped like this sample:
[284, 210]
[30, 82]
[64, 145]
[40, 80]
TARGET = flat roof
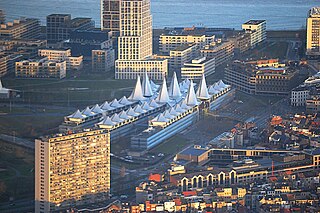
[255, 22]
[193, 151]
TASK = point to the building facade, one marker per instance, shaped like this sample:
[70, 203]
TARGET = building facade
[135, 42]
[299, 95]
[197, 67]
[42, 68]
[59, 26]
[222, 52]
[72, 170]
[110, 16]
[21, 29]
[257, 30]
[182, 55]
[102, 60]
[313, 33]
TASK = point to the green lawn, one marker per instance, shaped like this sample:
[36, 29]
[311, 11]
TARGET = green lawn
[171, 146]
[17, 176]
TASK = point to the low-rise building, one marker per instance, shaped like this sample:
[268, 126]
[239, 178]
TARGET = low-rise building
[130, 69]
[257, 30]
[42, 68]
[299, 95]
[197, 67]
[21, 29]
[73, 62]
[103, 60]
[222, 52]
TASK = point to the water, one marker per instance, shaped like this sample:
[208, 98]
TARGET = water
[280, 14]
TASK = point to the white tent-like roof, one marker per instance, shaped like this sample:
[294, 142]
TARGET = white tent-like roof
[202, 91]
[131, 112]
[145, 106]
[153, 104]
[146, 86]
[124, 101]
[174, 89]
[87, 112]
[154, 86]
[116, 118]
[106, 106]
[77, 115]
[138, 109]
[167, 114]
[191, 98]
[115, 103]
[163, 96]
[137, 93]
[173, 112]
[178, 108]
[96, 109]
[160, 118]
[123, 115]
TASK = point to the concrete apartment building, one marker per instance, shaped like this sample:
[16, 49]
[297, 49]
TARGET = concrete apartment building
[103, 60]
[169, 42]
[135, 43]
[257, 30]
[197, 67]
[73, 62]
[110, 16]
[181, 55]
[299, 95]
[258, 77]
[21, 29]
[242, 43]
[313, 33]
[222, 52]
[2, 17]
[42, 68]
[72, 170]
[59, 26]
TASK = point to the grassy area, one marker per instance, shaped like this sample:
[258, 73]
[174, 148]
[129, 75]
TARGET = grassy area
[29, 126]
[270, 50]
[73, 92]
[16, 172]
[171, 146]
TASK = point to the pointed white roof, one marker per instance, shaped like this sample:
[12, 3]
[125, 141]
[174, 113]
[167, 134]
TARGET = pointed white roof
[213, 90]
[167, 114]
[115, 103]
[202, 91]
[87, 111]
[116, 118]
[96, 109]
[145, 106]
[154, 86]
[124, 101]
[174, 89]
[0, 84]
[123, 115]
[137, 93]
[173, 112]
[183, 105]
[146, 86]
[77, 114]
[221, 84]
[159, 118]
[131, 112]
[178, 108]
[107, 122]
[138, 109]
[153, 104]
[191, 98]
[163, 96]
[106, 106]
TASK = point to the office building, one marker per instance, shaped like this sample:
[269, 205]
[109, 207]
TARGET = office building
[102, 60]
[313, 33]
[197, 67]
[7, 62]
[59, 26]
[21, 29]
[242, 42]
[262, 77]
[257, 30]
[182, 55]
[222, 52]
[72, 170]
[110, 16]
[42, 68]
[299, 95]
[171, 41]
[73, 62]
[135, 42]
[2, 17]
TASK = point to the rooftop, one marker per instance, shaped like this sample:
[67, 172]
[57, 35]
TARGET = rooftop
[315, 12]
[255, 22]
[193, 151]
